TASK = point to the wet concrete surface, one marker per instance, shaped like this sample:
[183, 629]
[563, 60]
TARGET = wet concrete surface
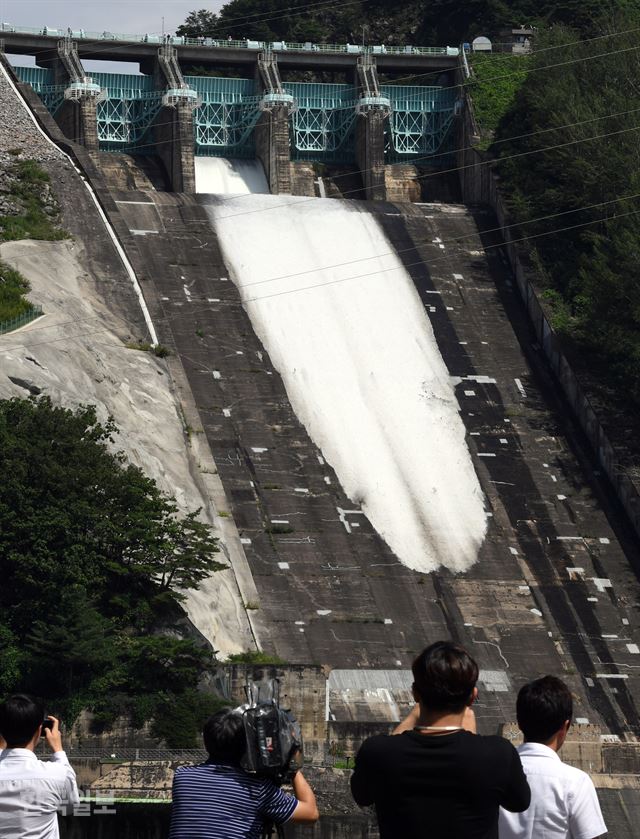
[553, 590]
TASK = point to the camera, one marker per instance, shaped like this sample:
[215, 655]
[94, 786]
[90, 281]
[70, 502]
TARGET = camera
[46, 723]
[273, 736]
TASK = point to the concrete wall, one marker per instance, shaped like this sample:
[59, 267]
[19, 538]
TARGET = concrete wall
[480, 185]
[401, 183]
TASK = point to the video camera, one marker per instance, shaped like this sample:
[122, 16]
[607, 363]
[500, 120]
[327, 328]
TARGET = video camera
[274, 739]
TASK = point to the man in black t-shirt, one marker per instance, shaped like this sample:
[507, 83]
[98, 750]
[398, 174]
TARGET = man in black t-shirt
[438, 779]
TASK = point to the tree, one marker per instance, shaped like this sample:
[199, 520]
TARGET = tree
[199, 24]
[71, 647]
[73, 513]
[575, 126]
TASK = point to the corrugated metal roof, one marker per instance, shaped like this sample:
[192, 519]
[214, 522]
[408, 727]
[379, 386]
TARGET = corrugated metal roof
[342, 680]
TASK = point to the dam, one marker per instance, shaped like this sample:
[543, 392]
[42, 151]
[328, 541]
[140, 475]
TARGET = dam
[396, 463]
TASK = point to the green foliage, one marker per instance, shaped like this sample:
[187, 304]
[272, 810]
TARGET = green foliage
[179, 723]
[13, 287]
[159, 350]
[93, 562]
[424, 22]
[11, 657]
[496, 80]
[29, 186]
[581, 174]
[199, 24]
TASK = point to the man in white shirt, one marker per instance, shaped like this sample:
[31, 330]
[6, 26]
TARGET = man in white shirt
[31, 790]
[564, 804]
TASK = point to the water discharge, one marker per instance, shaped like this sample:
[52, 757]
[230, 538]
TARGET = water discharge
[361, 366]
[221, 176]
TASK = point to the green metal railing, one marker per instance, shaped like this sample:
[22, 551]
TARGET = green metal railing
[20, 320]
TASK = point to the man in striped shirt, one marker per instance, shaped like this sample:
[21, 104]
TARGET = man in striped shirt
[219, 800]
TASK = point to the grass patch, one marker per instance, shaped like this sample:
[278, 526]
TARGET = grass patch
[255, 657]
[493, 87]
[13, 287]
[158, 350]
[29, 185]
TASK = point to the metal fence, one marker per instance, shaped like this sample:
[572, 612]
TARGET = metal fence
[313, 757]
[20, 320]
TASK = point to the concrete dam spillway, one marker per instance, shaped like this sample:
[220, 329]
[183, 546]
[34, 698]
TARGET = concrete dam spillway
[222, 176]
[303, 492]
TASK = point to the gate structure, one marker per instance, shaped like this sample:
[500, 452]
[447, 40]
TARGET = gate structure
[420, 121]
[225, 120]
[126, 112]
[322, 116]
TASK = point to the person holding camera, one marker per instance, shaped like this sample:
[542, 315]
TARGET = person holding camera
[220, 799]
[437, 778]
[31, 790]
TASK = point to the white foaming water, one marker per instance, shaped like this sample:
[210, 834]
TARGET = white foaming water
[361, 367]
[221, 176]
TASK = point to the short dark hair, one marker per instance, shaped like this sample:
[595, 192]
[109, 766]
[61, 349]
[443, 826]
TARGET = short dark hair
[542, 708]
[20, 716]
[444, 676]
[224, 736]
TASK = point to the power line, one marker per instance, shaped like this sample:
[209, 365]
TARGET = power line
[488, 162]
[445, 153]
[534, 53]
[499, 229]
[111, 48]
[455, 240]
[371, 273]
[422, 262]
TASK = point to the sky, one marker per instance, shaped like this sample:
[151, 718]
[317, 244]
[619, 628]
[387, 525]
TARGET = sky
[121, 16]
[135, 16]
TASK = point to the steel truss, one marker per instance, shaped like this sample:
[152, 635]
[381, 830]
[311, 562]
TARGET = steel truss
[322, 122]
[226, 127]
[226, 117]
[420, 120]
[124, 117]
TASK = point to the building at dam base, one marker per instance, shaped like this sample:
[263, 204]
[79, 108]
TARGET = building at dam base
[362, 123]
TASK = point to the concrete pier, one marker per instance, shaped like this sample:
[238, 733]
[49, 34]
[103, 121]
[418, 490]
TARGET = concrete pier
[173, 143]
[77, 114]
[273, 150]
[370, 153]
